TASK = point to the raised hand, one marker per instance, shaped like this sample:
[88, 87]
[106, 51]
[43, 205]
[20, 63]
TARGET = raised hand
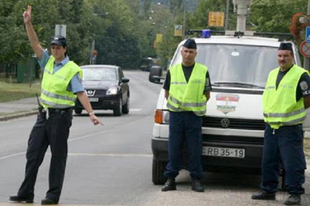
[27, 15]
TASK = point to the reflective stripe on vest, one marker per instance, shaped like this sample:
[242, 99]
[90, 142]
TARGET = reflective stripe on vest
[279, 105]
[54, 92]
[187, 96]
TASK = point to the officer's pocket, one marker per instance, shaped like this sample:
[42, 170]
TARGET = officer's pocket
[67, 116]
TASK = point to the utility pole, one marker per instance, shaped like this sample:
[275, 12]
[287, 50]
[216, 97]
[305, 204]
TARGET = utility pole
[306, 59]
[184, 18]
[226, 15]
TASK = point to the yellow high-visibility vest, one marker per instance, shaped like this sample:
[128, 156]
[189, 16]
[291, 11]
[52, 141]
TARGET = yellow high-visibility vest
[188, 96]
[54, 92]
[279, 104]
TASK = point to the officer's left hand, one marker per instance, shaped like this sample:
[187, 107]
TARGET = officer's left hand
[95, 119]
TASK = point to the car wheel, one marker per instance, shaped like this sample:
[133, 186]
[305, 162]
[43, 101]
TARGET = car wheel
[117, 111]
[77, 111]
[158, 170]
[125, 107]
[155, 71]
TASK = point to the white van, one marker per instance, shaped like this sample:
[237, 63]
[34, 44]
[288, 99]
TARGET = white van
[233, 128]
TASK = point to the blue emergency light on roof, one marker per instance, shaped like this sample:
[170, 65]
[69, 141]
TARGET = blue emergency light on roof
[206, 33]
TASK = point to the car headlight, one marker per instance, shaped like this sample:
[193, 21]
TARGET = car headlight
[112, 91]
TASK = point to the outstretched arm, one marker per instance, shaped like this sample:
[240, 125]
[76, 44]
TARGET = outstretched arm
[32, 36]
[87, 106]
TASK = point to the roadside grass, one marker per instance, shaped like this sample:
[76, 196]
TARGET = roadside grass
[16, 91]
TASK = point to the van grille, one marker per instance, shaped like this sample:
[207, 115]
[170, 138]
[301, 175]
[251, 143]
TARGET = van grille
[233, 123]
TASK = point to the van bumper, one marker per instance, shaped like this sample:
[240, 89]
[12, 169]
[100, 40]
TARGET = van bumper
[251, 163]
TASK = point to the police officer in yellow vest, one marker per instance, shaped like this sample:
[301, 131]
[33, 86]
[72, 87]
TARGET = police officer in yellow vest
[285, 100]
[187, 89]
[61, 84]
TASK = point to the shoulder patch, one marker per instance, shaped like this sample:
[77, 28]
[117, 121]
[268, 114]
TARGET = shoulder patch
[304, 85]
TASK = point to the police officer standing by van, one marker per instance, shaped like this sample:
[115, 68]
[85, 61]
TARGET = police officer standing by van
[285, 100]
[187, 89]
[61, 84]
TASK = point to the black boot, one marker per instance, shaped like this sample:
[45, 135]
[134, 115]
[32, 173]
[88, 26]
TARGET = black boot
[21, 199]
[293, 199]
[169, 185]
[263, 195]
[196, 186]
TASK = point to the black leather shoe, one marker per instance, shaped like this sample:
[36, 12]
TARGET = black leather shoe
[293, 199]
[263, 195]
[196, 186]
[21, 199]
[48, 201]
[169, 185]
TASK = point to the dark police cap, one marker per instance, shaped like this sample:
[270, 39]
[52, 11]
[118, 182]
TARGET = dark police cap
[190, 44]
[59, 40]
[285, 46]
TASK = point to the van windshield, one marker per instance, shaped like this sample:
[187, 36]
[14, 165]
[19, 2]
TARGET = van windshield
[236, 65]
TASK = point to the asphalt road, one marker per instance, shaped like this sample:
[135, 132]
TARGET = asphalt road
[111, 164]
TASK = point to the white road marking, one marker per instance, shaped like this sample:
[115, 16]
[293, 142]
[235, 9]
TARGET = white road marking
[12, 155]
[135, 110]
[109, 155]
[25, 204]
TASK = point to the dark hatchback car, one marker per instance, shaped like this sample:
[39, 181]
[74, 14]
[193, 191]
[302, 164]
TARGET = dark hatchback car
[107, 89]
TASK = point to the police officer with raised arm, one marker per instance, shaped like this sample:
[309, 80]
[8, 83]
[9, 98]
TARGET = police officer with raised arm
[61, 84]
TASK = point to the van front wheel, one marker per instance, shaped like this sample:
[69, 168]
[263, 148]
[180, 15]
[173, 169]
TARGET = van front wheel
[158, 170]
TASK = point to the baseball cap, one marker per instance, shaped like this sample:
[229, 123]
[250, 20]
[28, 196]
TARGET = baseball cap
[59, 40]
[190, 44]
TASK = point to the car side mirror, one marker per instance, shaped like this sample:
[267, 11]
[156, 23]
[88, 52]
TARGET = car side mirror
[125, 80]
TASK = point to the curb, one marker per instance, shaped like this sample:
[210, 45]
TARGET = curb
[17, 114]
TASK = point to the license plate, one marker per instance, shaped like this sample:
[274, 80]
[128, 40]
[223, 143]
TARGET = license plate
[223, 152]
[92, 99]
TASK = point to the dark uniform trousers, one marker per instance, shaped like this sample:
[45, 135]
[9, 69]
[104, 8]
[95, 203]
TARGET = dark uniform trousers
[53, 132]
[185, 127]
[283, 147]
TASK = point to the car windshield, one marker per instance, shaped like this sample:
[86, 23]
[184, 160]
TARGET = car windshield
[236, 65]
[99, 74]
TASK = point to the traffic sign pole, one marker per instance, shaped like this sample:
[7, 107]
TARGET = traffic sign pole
[306, 59]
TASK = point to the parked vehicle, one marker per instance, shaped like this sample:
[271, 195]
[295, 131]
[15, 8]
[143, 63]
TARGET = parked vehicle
[156, 74]
[233, 128]
[148, 62]
[107, 89]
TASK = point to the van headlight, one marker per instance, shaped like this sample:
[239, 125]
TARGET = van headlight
[161, 116]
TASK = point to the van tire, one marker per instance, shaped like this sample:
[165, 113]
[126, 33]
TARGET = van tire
[158, 170]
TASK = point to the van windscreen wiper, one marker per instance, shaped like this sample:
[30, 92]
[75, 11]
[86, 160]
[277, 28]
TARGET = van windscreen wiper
[237, 84]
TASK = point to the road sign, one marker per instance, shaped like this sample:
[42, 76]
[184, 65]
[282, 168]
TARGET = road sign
[178, 30]
[305, 49]
[307, 38]
[60, 29]
[216, 19]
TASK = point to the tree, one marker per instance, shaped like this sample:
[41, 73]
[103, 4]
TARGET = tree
[274, 15]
